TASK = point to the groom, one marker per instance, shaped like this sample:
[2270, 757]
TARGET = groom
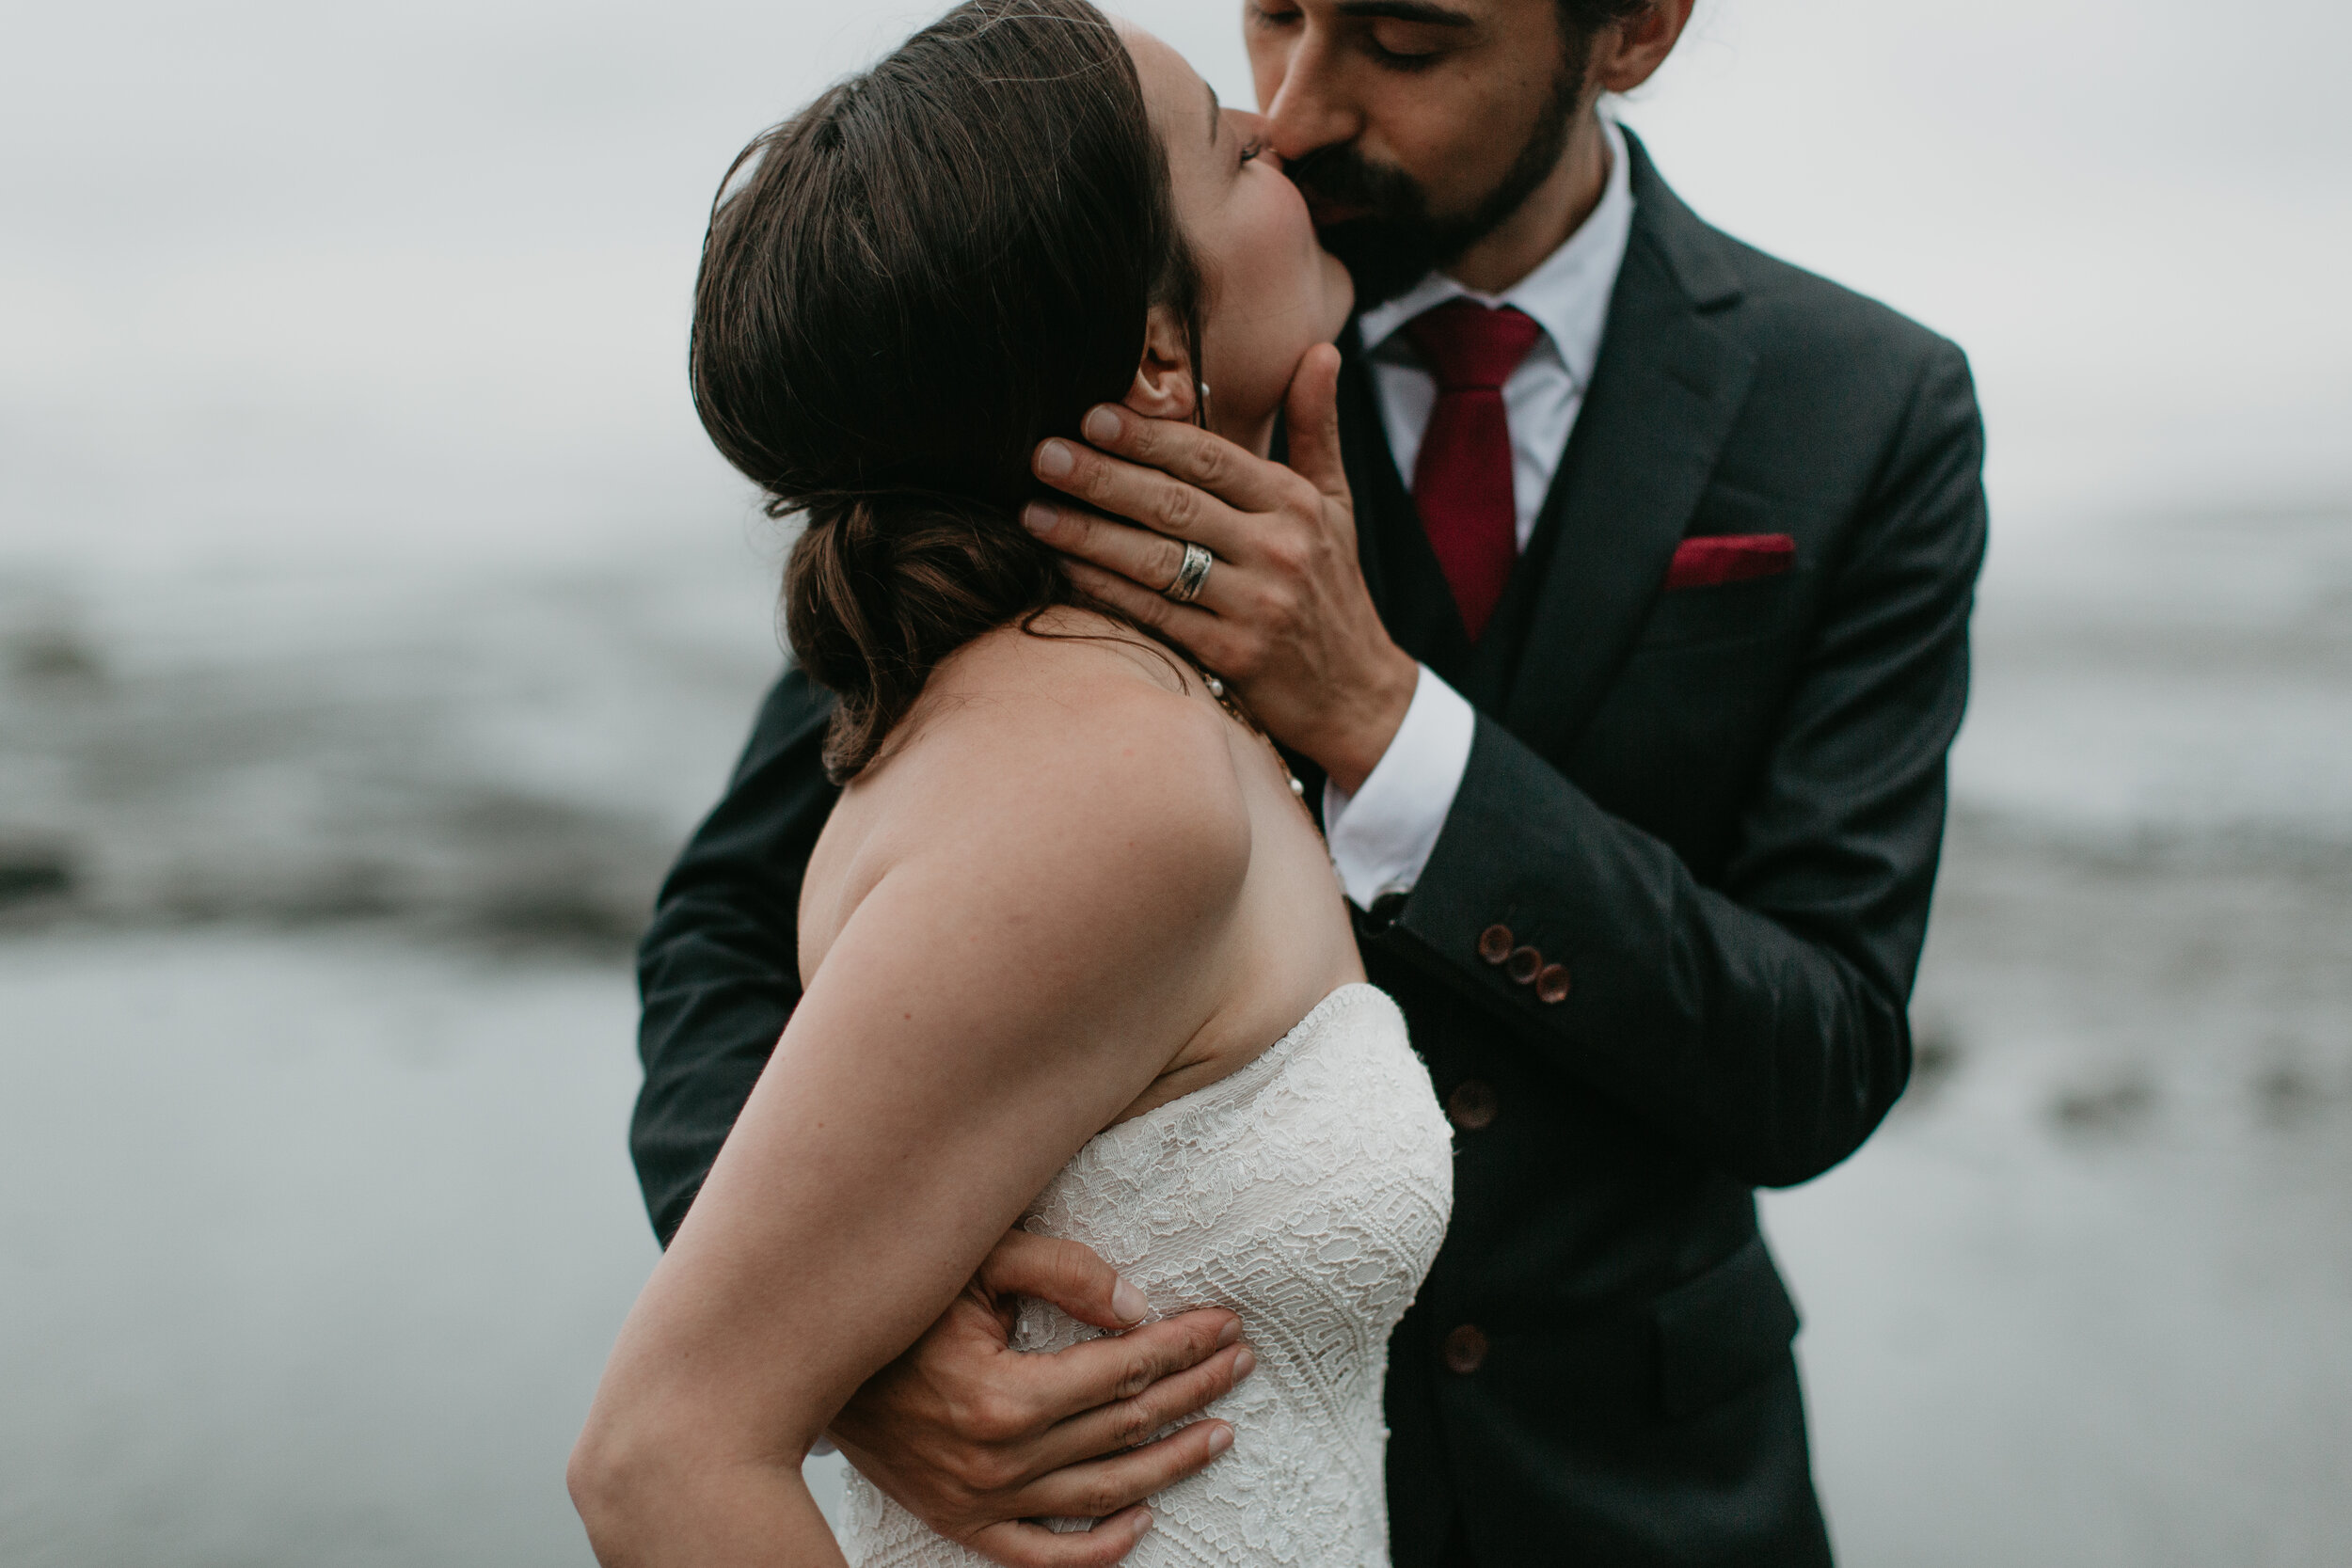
[1626, 692]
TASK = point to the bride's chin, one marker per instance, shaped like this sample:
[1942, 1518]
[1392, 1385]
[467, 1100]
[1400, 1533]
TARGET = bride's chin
[1250, 428]
[1339, 290]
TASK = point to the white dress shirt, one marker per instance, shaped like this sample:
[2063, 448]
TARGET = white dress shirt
[1382, 836]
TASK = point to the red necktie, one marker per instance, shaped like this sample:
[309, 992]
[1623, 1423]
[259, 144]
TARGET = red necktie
[1462, 480]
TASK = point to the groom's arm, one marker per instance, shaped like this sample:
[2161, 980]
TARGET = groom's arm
[1763, 1020]
[718, 969]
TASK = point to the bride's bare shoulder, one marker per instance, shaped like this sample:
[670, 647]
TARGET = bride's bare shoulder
[1071, 755]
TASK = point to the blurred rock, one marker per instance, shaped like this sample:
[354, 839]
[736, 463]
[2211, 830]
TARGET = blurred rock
[1936, 1053]
[2118, 1105]
[49, 653]
[33, 873]
[2286, 1093]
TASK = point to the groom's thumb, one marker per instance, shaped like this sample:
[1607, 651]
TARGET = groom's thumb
[1066, 1274]
[1310, 418]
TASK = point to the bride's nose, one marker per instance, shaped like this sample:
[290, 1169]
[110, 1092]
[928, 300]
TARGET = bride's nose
[1253, 127]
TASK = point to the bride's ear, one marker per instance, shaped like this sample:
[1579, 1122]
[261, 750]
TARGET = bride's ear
[1163, 387]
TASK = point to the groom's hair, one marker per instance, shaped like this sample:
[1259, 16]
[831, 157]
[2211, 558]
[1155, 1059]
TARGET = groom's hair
[1581, 19]
[905, 288]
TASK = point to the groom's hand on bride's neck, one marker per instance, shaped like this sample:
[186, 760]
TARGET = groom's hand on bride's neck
[1284, 615]
[978, 1439]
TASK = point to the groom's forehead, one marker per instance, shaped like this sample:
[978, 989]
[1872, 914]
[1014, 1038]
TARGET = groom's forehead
[1502, 14]
[1460, 13]
[1441, 23]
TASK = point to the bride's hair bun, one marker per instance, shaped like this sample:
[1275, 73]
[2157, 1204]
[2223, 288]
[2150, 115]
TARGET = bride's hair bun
[880, 589]
[904, 289]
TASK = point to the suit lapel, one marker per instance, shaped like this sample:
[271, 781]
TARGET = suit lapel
[1669, 384]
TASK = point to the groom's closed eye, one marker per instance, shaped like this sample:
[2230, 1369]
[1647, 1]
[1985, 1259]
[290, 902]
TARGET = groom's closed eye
[1406, 35]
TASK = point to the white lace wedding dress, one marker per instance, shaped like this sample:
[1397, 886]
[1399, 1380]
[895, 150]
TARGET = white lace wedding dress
[1308, 1191]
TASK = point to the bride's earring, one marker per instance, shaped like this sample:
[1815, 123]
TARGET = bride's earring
[1204, 405]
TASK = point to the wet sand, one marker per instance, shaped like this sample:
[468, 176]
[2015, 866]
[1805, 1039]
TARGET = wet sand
[314, 1245]
[2086, 1298]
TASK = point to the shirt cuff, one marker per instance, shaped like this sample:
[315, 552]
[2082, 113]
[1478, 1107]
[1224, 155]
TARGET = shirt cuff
[1382, 836]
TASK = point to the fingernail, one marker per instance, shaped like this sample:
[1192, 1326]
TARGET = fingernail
[1037, 517]
[1100, 425]
[1144, 1524]
[1244, 1364]
[1231, 1332]
[1129, 1304]
[1054, 460]
[1221, 1439]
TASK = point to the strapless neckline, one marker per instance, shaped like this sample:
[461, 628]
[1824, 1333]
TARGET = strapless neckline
[1240, 1085]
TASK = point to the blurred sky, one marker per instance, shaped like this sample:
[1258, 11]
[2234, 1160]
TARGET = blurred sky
[339, 282]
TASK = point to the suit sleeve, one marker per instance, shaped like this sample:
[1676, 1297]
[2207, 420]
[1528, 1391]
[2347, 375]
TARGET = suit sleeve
[718, 969]
[1763, 1022]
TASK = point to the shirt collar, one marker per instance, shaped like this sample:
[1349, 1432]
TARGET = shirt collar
[1568, 294]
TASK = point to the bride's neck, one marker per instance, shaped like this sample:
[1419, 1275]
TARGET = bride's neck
[1252, 434]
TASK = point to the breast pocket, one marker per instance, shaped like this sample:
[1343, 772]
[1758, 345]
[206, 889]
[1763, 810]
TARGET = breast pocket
[1739, 573]
[1724, 613]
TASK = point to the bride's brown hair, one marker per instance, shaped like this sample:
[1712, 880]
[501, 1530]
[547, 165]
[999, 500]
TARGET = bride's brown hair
[904, 289]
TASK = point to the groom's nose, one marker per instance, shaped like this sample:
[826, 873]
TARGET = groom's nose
[1304, 97]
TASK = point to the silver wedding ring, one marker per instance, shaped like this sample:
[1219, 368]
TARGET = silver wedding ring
[1189, 576]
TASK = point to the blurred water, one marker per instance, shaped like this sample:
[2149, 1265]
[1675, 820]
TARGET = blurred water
[312, 1242]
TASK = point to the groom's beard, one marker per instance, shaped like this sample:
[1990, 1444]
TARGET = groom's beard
[1395, 243]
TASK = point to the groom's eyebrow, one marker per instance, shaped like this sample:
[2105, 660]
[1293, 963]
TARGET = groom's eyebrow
[1407, 10]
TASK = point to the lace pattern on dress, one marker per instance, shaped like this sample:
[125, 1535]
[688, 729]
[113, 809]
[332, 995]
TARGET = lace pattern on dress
[1308, 1191]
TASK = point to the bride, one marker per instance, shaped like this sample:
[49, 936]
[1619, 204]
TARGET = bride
[1075, 955]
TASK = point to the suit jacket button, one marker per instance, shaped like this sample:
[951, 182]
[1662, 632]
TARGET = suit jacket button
[1525, 964]
[1472, 1105]
[1553, 984]
[1494, 943]
[1465, 1350]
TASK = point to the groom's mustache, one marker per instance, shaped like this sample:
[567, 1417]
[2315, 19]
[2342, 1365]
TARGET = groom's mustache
[1342, 186]
[1375, 217]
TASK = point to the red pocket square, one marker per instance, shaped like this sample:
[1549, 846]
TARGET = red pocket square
[1730, 557]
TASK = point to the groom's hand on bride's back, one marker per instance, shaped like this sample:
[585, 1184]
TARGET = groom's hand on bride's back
[1283, 614]
[977, 1439]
